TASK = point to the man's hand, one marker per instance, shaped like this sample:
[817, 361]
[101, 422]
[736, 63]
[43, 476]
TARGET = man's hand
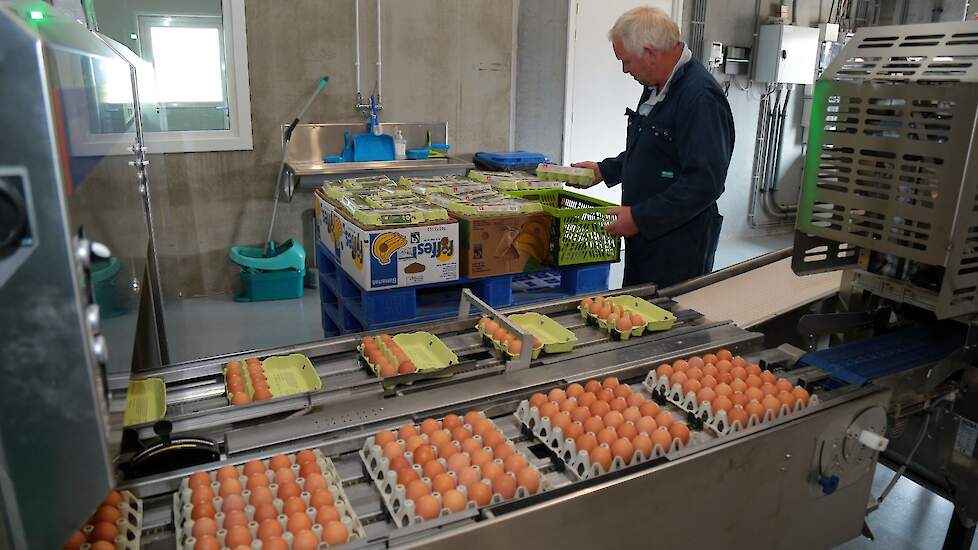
[598, 178]
[624, 226]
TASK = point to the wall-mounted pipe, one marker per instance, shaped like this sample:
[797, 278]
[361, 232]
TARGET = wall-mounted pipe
[380, 87]
[356, 39]
[361, 105]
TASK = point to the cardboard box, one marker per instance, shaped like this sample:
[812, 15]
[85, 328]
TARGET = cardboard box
[498, 245]
[389, 257]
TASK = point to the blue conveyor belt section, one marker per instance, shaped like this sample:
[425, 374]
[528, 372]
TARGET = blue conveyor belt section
[879, 356]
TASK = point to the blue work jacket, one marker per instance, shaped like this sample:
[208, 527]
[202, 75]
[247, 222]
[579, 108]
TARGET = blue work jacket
[672, 173]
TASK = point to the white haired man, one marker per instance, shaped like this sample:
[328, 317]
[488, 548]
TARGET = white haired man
[677, 151]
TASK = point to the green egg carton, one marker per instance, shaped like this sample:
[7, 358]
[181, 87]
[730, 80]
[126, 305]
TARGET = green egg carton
[656, 318]
[367, 181]
[500, 347]
[432, 213]
[555, 338]
[426, 351]
[579, 177]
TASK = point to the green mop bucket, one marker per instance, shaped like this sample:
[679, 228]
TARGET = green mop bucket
[279, 276]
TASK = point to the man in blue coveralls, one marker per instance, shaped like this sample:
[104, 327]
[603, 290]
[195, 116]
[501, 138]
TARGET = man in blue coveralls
[677, 150]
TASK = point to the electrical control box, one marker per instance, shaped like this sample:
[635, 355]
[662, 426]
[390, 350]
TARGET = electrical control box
[786, 54]
[715, 60]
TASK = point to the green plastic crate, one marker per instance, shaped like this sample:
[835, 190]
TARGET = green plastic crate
[577, 234]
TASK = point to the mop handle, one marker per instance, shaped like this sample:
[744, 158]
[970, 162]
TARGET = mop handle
[285, 156]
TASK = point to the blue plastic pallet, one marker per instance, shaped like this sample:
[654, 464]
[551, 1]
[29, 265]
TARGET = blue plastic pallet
[349, 308]
[865, 360]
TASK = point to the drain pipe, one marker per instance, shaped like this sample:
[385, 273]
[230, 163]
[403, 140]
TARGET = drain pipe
[356, 38]
[380, 104]
[760, 139]
[769, 204]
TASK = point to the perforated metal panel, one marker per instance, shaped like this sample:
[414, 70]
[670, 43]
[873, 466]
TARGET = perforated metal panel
[890, 166]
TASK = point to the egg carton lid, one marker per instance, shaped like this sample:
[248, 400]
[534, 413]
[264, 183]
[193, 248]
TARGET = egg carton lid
[394, 495]
[182, 508]
[718, 423]
[579, 462]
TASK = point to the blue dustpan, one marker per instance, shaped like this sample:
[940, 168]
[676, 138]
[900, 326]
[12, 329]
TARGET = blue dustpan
[368, 147]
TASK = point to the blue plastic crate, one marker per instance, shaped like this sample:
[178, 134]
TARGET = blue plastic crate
[353, 309]
[510, 160]
[872, 358]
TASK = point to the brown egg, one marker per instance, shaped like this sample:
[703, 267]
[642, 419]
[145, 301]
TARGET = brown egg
[204, 509]
[269, 528]
[623, 449]
[406, 431]
[580, 414]
[529, 479]
[480, 493]
[769, 389]
[304, 540]
[240, 398]
[204, 526]
[607, 436]
[384, 437]
[407, 475]
[293, 505]
[664, 419]
[642, 443]
[432, 468]
[490, 470]
[678, 378]
[586, 399]
[787, 398]
[709, 381]
[606, 395]
[593, 424]
[502, 451]
[783, 385]
[568, 405]
[602, 456]
[480, 457]
[724, 355]
[737, 414]
[721, 403]
[297, 522]
[592, 386]
[233, 502]
[289, 490]
[279, 461]
[429, 425]
[78, 538]
[692, 386]
[413, 442]
[754, 408]
[662, 438]
[314, 482]
[234, 519]
[504, 484]
[237, 536]
[423, 454]
[325, 514]
[680, 431]
[493, 438]
[619, 403]
[198, 479]
[427, 507]
[458, 461]
[754, 394]
[573, 430]
[627, 430]
[537, 400]
[723, 389]
[705, 395]
[586, 442]
[514, 463]
[467, 476]
[265, 511]
[470, 446]
[649, 408]
[416, 489]
[257, 480]
[321, 498]
[451, 421]
[646, 425]
[441, 483]
[802, 394]
[772, 404]
[738, 385]
[274, 543]
[752, 368]
[664, 370]
[613, 419]
[262, 394]
[739, 372]
[206, 542]
[460, 433]
[104, 530]
[439, 438]
[635, 399]
[561, 420]
[599, 408]
[574, 390]
[453, 500]
[446, 450]
[108, 513]
[335, 533]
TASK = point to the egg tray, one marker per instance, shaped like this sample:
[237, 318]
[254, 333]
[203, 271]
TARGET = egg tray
[184, 523]
[394, 494]
[579, 463]
[489, 341]
[440, 352]
[602, 325]
[129, 524]
[718, 423]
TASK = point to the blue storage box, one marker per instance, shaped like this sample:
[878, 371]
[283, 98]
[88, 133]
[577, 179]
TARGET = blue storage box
[509, 160]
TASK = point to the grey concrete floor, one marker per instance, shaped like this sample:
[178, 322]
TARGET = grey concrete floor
[910, 518]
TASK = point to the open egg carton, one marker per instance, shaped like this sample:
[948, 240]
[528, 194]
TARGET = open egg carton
[123, 532]
[183, 506]
[720, 422]
[496, 336]
[403, 510]
[625, 316]
[579, 461]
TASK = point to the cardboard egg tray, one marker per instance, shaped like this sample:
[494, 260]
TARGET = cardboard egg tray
[489, 341]
[394, 495]
[580, 462]
[183, 508]
[129, 524]
[718, 423]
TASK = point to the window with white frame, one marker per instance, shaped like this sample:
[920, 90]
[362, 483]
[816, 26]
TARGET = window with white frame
[198, 59]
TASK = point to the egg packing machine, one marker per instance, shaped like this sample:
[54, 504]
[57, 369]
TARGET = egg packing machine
[805, 477]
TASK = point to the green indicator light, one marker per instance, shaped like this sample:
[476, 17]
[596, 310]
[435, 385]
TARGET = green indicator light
[37, 15]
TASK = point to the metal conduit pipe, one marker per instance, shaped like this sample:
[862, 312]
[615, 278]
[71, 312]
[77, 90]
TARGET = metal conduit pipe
[768, 202]
[760, 141]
